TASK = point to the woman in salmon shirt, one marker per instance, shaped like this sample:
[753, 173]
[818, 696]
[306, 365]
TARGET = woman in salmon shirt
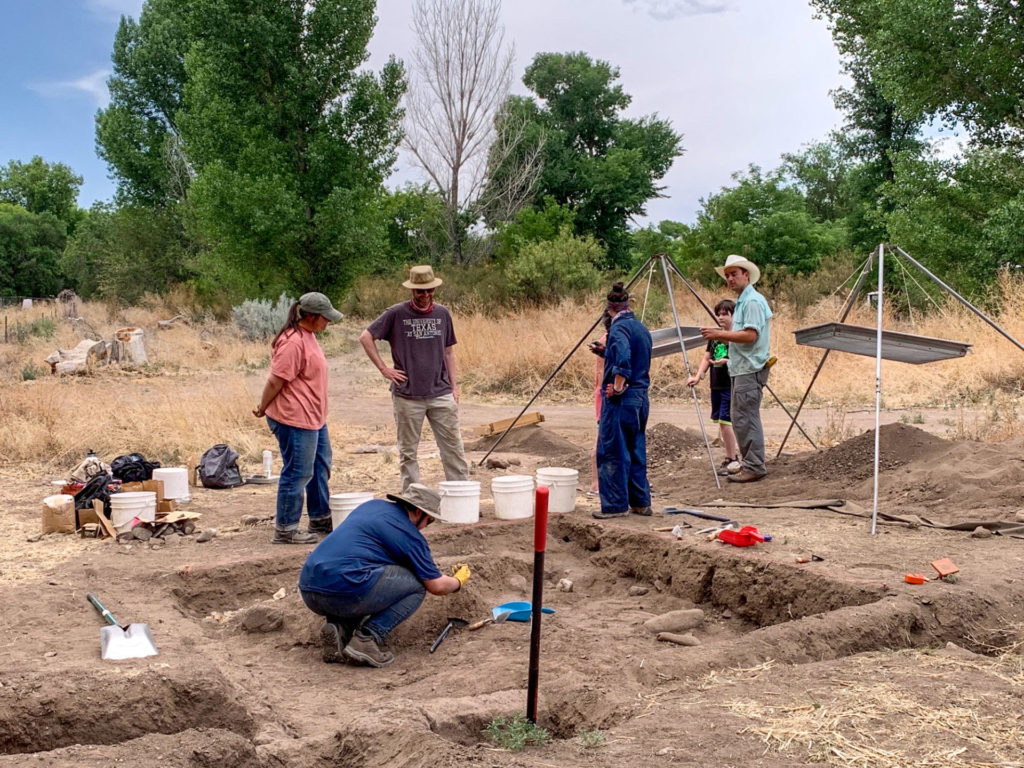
[294, 401]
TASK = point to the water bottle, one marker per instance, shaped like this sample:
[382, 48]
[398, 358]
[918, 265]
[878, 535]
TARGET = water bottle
[268, 463]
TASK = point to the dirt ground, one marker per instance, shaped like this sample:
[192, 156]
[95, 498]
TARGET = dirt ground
[835, 660]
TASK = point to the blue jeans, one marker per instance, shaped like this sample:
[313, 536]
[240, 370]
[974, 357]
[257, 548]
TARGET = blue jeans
[622, 452]
[392, 599]
[306, 455]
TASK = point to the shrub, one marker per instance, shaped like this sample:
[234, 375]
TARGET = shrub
[550, 270]
[516, 732]
[31, 372]
[259, 319]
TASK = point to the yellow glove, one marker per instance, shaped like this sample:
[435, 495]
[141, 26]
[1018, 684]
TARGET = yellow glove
[461, 572]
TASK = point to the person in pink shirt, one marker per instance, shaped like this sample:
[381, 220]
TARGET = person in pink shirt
[294, 402]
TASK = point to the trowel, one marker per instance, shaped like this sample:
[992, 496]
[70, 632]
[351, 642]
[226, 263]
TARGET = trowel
[118, 642]
[501, 618]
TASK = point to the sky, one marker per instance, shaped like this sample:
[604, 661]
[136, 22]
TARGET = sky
[743, 81]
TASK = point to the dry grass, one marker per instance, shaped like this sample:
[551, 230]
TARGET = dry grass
[902, 721]
[193, 393]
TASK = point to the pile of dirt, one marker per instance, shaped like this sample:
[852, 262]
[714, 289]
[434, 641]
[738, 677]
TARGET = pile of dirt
[666, 442]
[853, 460]
[533, 440]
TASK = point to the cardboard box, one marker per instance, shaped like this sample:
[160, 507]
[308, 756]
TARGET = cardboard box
[153, 486]
[166, 506]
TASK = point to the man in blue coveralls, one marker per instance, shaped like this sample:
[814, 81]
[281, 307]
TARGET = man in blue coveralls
[749, 342]
[372, 573]
[621, 439]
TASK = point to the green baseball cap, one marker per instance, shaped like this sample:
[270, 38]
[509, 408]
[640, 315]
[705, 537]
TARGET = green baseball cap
[318, 304]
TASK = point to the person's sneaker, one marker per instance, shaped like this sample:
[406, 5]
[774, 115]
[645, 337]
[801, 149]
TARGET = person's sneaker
[729, 467]
[362, 648]
[332, 643]
[608, 515]
[294, 536]
[642, 511]
[321, 525]
[746, 476]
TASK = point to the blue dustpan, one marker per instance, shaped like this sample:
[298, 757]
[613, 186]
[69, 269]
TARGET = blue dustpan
[518, 610]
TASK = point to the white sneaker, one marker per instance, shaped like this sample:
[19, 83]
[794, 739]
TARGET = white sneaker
[733, 467]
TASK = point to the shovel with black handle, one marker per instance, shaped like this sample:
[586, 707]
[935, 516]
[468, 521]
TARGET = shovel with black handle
[117, 642]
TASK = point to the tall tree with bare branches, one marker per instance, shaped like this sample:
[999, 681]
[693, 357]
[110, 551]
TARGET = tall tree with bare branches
[462, 70]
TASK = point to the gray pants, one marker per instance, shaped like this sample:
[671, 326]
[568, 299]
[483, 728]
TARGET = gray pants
[443, 415]
[746, 418]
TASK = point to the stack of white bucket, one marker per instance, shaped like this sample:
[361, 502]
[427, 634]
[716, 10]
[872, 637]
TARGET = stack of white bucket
[460, 501]
[343, 503]
[561, 483]
[513, 496]
[125, 507]
[175, 483]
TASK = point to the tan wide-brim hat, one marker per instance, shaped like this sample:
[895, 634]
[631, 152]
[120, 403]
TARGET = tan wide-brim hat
[421, 497]
[738, 261]
[422, 277]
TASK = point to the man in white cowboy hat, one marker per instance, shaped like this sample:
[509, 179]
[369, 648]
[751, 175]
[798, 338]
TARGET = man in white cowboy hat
[372, 572]
[749, 342]
[422, 375]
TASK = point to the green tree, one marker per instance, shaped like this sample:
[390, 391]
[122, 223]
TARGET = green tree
[41, 187]
[768, 221]
[958, 60]
[120, 254]
[415, 227]
[257, 114]
[545, 271]
[596, 162]
[30, 247]
[137, 133]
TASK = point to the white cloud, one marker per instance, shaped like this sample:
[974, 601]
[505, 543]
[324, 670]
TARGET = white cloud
[667, 10]
[93, 85]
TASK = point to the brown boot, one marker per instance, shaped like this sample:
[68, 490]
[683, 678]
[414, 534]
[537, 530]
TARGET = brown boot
[294, 537]
[363, 649]
[746, 476]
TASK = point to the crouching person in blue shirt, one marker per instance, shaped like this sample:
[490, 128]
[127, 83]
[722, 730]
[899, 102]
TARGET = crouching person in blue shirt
[372, 573]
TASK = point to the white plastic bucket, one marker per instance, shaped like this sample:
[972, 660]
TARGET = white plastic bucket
[513, 496]
[175, 482]
[561, 483]
[343, 503]
[460, 501]
[125, 507]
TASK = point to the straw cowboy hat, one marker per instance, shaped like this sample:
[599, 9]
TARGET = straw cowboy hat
[743, 263]
[422, 277]
[421, 497]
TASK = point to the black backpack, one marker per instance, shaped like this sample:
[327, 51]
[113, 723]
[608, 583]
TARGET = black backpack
[96, 488]
[133, 468]
[218, 467]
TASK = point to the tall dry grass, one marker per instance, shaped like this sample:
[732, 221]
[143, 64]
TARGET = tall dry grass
[197, 388]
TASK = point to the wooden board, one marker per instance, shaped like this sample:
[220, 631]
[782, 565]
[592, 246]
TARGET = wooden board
[497, 427]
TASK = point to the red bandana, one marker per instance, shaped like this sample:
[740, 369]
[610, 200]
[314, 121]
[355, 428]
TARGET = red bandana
[427, 311]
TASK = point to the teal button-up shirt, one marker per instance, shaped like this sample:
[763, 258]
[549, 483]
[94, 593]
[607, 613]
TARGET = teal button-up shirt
[752, 311]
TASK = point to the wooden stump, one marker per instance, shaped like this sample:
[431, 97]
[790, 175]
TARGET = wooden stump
[127, 347]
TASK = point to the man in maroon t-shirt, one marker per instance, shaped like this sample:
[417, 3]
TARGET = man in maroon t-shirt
[422, 375]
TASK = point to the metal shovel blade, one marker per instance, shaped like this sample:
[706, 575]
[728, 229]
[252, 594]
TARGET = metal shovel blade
[135, 642]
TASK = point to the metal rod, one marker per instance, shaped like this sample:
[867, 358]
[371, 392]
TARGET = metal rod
[540, 535]
[854, 292]
[791, 417]
[559, 367]
[686, 363]
[693, 290]
[878, 379]
[957, 296]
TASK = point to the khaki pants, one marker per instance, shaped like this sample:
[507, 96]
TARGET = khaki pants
[443, 415]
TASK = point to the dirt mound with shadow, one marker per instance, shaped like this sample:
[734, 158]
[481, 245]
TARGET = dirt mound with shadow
[853, 460]
[667, 443]
[532, 440]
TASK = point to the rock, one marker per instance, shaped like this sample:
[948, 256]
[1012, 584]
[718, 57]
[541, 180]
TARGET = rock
[142, 533]
[513, 461]
[675, 621]
[981, 533]
[1019, 516]
[280, 594]
[207, 534]
[261, 619]
[659, 585]
[124, 537]
[726, 614]
[248, 521]
[50, 654]
[34, 537]
[669, 637]
[565, 585]
[638, 590]
[495, 462]
[518, 583]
